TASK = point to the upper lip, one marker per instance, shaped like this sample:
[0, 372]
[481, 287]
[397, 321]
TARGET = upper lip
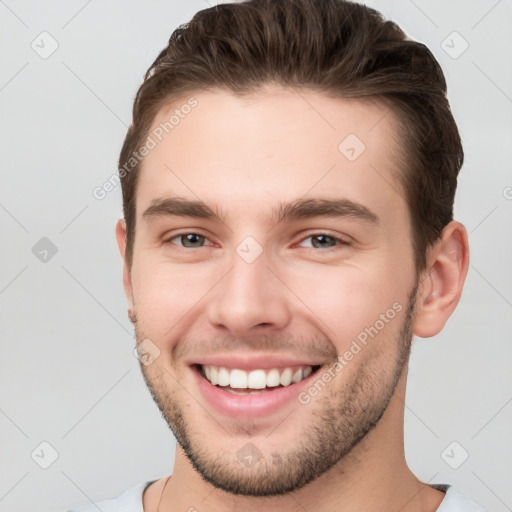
[252, 362]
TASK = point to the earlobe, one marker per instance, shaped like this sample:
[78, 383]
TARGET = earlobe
[127, 278]
[443, 280]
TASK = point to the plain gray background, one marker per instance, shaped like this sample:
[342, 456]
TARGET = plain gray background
[67, 373]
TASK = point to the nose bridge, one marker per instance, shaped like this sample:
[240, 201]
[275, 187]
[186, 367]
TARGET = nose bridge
[248, 295]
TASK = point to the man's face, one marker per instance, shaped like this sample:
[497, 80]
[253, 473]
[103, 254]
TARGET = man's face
[301, 261]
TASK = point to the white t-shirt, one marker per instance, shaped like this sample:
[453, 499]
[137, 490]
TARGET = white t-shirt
[131, 501]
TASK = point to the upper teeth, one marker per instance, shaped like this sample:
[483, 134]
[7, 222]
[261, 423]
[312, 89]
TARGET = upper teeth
[255, 379]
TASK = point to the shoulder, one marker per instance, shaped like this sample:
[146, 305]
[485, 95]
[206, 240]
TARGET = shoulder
[456, 502]
[129, 501]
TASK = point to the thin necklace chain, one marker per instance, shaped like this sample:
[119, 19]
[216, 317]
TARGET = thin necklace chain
[162, 495]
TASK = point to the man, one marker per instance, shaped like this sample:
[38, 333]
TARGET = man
[288, 186]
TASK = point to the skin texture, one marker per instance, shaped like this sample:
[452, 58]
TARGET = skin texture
[243, 157]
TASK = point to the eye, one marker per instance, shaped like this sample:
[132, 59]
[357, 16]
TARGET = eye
[189, 240]
[321, 241]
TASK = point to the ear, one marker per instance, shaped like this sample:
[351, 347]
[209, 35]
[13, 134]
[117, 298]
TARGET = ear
[442, 281]
[127, 277]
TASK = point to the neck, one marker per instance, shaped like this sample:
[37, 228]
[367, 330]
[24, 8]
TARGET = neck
[373, 476]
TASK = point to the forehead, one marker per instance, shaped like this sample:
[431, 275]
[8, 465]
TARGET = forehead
[275, 145]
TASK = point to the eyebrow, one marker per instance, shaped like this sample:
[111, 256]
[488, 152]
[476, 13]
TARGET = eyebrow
[318, 207]
[182, 207]
[295, 210]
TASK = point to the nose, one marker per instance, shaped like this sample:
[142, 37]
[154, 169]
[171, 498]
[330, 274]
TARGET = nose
[249, 298]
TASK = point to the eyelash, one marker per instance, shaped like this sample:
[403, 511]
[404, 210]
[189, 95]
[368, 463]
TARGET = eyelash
[338, 241]
[170, 240]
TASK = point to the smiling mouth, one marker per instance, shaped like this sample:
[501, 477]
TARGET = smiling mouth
[242, 382]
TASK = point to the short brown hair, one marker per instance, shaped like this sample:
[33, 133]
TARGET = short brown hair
[336, 47]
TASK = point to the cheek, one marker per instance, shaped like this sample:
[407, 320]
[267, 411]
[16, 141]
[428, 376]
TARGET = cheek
[346, 301]
[165, 295]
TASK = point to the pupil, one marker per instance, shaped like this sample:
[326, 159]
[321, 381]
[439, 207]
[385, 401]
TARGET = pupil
[323, 241]
[192, 239]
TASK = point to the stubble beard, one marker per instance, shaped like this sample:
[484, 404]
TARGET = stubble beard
[343, 418]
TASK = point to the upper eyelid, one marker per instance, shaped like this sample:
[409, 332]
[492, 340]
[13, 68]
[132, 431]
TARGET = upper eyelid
[168, 238]
[339, 237]
[171, 235]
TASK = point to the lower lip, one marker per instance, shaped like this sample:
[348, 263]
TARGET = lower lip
[254, 406]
